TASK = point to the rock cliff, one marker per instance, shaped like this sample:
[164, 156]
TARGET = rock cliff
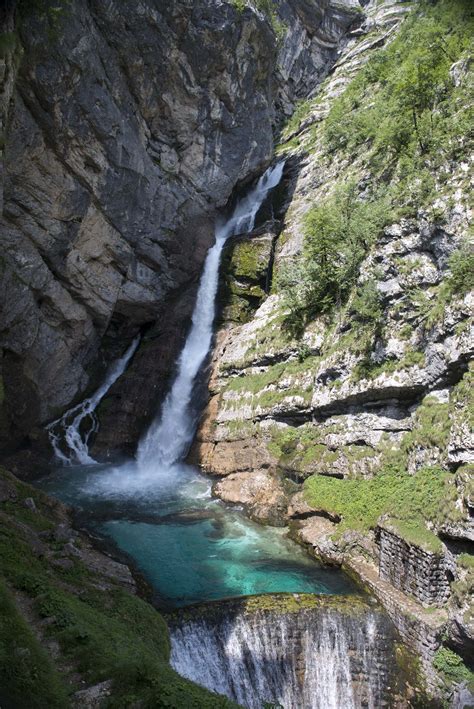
[126, 127]
[353, 425]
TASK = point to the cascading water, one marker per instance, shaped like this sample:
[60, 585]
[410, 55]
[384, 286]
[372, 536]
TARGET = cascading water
[310, 658]
[193, 549]
[168, 438]
[67, 435]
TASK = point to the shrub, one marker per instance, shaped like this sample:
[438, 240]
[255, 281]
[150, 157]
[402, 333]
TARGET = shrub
[449, 664]
[337, 235]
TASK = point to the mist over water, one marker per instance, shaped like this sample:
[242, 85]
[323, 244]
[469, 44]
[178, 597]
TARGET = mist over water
[169, 437]
[159, 510]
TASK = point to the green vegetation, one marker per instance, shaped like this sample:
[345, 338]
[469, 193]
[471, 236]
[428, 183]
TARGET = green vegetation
[410, 500]
[368, 369]
[106, 634]
[267, 8]
[452, 667]
[458, 282]
[404, 107]
[366, 305]
[337, 235]
[27, 675]
[404, 117]
[244, 280]
[431, 426]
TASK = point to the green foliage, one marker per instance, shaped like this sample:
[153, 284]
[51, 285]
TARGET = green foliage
[267, 8]
[337, 235]
[366, 305]
[431, 426]
[411, 499]
[108, 634]
[27, 675]
[405, 108]
[452, 667]
[368, 369]
[458, 282]
[239, 5]
[461, 265]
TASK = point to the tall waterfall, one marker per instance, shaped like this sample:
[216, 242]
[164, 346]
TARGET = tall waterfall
[169, 436]
[69, 435]
[313, 658]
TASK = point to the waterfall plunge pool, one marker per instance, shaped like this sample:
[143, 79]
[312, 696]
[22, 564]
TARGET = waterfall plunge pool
[158, 510]
[190, 547]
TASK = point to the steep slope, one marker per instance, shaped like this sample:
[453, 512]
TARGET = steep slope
[343, 404]
[74, 632]
[125, 128]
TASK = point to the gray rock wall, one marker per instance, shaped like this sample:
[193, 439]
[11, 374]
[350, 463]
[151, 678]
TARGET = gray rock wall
[129, 125]
[424, 574]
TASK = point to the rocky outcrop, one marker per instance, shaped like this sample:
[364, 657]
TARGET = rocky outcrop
[127, 128]
[348, 402]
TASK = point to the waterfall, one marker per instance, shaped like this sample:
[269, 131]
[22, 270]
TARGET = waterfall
[169, 436]
[313, 658]
[68, 431]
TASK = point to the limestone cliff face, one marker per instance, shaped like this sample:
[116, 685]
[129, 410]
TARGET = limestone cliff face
[335, 405]
[127, 126]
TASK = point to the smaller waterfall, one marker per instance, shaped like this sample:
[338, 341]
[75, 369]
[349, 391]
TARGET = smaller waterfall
[69, 434]
[167, 439]
[326, 657]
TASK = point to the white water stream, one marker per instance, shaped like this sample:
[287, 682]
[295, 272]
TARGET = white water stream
[311, 659]
[169, 436]
[68, 434]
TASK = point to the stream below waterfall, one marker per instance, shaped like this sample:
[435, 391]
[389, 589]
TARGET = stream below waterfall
[193, 548]
[159, 510]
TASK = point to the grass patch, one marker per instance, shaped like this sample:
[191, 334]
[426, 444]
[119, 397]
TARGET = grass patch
[410, 499]
[28, 678]
[108, 634]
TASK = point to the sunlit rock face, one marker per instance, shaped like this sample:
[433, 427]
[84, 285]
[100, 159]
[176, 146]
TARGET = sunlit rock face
[128, 126]
[327, 655]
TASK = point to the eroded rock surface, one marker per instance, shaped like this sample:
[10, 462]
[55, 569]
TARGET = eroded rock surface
[128, 126]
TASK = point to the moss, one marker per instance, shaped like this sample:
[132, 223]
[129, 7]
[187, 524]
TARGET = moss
[250, 259]
[416, 532]
[352, 605]
[27, 674]
[427, 496]
[109, 634]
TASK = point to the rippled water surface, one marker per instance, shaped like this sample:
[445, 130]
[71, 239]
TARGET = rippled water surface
[189, 546]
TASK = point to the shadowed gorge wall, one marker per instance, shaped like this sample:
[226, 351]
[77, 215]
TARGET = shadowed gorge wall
[127, 126]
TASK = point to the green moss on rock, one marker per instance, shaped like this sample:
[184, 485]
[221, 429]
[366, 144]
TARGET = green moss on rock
[102, 629]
